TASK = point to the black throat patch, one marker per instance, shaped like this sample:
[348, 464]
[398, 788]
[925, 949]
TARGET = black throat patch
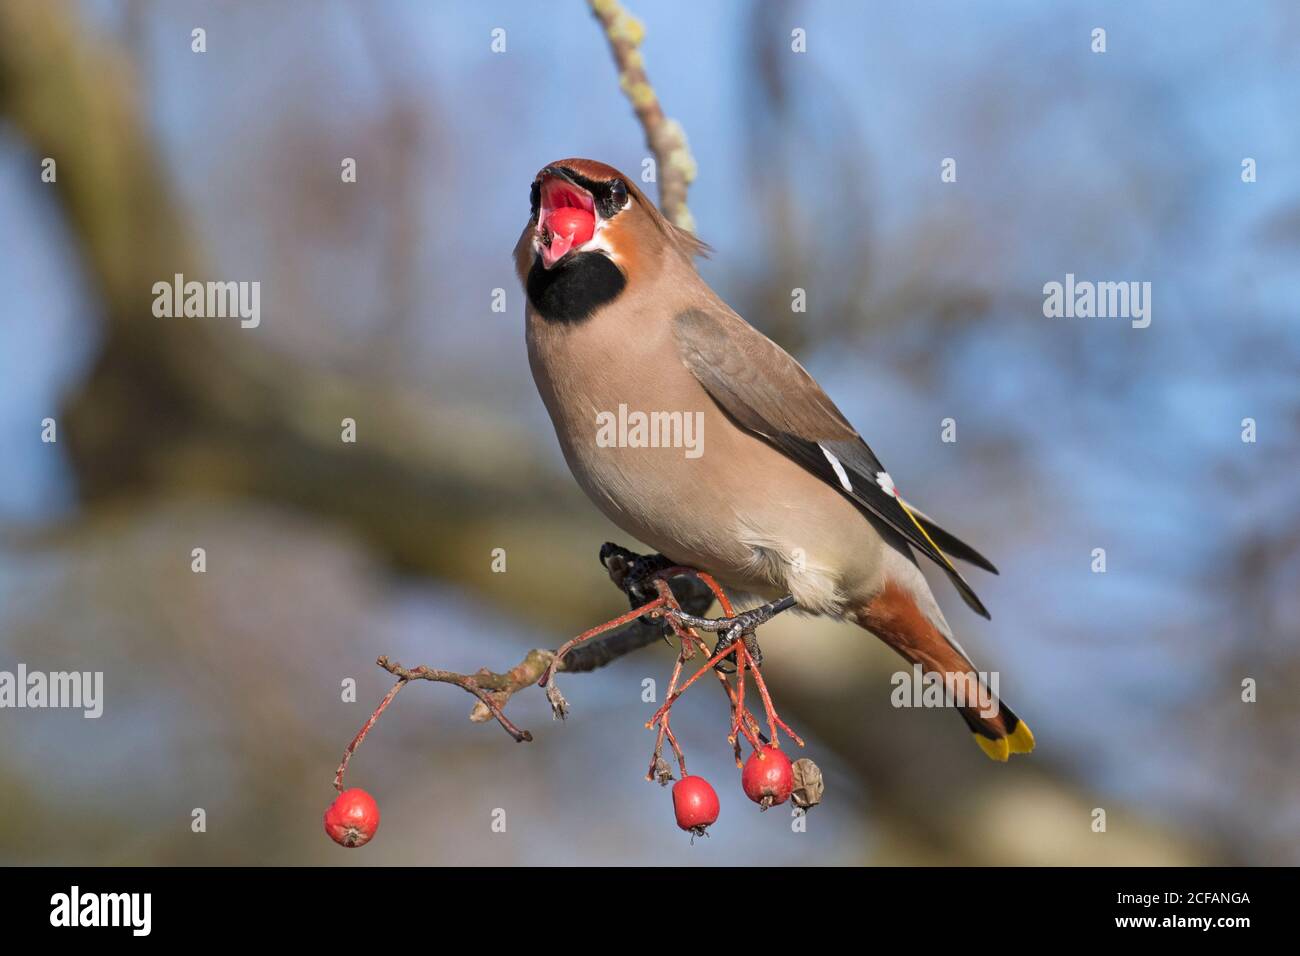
[575, 289]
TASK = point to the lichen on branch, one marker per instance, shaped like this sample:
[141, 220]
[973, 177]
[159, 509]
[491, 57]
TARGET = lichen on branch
[667, 140]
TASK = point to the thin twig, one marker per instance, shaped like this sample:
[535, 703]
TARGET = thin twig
[609, 640]
[559, 705]
[492, 690]
[481, 685]
[361, 735]
[665, 137]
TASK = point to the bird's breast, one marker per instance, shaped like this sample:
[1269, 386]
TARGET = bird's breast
[662, 461]
[635, 426]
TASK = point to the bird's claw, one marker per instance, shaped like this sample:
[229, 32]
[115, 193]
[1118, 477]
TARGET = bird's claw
[633, 574]
[740, 626]
[730, 637]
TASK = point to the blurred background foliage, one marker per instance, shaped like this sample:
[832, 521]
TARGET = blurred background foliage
[818, 171]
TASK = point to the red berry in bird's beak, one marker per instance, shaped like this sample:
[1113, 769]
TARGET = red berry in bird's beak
[352, 818]
[563, 229]
[768, 777]
[695, 803]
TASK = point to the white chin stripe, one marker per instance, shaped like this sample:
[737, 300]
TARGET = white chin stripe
[840, 473]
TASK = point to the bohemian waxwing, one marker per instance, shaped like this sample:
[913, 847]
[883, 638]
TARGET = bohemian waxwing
[699, 436]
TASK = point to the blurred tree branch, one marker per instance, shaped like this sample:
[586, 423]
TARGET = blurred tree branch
[192, 405]
[665, 137]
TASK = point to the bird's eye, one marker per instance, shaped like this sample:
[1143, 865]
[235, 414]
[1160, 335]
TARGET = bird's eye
[618, 193]
[535, 197]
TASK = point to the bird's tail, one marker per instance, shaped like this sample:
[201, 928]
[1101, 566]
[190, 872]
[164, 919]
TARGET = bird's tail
[999, 736]
[894, 617]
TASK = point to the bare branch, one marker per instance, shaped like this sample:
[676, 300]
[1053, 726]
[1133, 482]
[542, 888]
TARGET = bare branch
[665, 137]
[588, 651]
[650, 616]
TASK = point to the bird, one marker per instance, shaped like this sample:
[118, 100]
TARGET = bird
[781, 500]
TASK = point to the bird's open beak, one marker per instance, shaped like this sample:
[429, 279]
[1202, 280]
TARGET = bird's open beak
[566, 219]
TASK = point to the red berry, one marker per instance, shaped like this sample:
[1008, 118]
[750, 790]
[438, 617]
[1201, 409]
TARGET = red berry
[352, 818]
[768, 777]
[576, 225]
[695, 803]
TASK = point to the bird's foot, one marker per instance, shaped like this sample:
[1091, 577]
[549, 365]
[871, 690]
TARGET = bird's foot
[751, 647]
[738, 625]
[634, 574]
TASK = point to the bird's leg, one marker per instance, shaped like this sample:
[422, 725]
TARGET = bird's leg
[743, 623]
[736, 626]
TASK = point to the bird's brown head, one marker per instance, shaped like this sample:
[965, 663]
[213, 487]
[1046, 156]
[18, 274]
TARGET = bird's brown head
[590, 232]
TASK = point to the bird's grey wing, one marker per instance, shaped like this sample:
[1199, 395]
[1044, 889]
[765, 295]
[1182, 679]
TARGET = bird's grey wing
[767, 392]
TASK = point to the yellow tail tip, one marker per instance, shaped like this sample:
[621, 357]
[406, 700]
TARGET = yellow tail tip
[995, 749]
[1019, 741]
